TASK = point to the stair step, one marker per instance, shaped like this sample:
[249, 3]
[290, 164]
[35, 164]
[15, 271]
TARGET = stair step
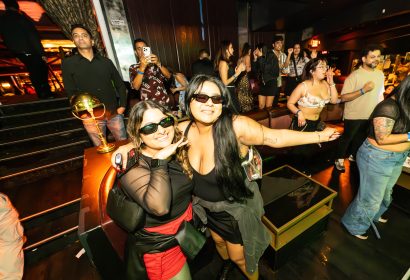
[43, 144]
[19, 121]
[38, 138]
[33, 106]
[20, 155]
[46, 231]
[60, 188]
[18, 167]
[39, 129]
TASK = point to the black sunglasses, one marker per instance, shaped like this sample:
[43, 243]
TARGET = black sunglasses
[153, 127]
[203, 98]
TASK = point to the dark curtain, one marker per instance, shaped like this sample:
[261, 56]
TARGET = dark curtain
[67, 12]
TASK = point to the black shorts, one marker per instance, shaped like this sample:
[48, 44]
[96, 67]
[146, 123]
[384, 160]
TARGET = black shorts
[270, 88]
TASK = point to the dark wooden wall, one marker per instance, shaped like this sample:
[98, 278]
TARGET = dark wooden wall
[173, 28]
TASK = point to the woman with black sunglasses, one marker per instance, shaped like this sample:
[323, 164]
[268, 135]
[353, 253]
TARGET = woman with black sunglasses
[159, 182]
[219, 141]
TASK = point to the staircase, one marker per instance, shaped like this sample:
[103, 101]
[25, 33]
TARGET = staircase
[41, 158]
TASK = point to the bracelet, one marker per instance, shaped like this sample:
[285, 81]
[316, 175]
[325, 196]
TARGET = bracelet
[318, 135]
[140, 72]
[408, 136]
[234, 76]
[297, 113]
[361, 91]
[333, 85]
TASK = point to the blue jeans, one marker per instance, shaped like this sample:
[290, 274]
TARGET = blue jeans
[115, 125]
[379, 171]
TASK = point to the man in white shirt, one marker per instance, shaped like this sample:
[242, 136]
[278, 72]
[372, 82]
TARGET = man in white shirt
[277, 45]
[362, 91]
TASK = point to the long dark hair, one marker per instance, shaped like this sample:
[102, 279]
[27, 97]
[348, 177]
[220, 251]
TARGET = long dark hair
[310, 67]
[245, 49]
[221, 54]
[228, 168]
[403, 101]
[134, 125]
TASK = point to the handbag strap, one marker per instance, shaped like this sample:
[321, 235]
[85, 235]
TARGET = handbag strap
[294, 65]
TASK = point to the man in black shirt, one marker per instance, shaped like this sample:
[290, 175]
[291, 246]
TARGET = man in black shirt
[21, 37]
[90, 72]
[203, 65]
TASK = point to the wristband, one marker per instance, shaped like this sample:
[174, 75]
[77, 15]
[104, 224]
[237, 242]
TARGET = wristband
[408, 136]
[297, 112]
[140, 72]
[361, 91]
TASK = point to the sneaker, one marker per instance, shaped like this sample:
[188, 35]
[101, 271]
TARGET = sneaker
[340, 164]
[362, 237]
[351, 158]
[382, 220]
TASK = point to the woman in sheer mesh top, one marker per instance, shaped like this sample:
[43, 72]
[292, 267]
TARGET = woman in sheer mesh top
[380, 160]
[219, 141]
[159, 182]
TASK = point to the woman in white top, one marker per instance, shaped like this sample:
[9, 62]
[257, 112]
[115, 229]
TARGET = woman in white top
[296, 63]
[310, 97]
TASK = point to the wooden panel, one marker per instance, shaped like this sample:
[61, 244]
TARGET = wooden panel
[173, 28]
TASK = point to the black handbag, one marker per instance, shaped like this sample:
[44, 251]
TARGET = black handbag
[190, 240]
[124, 211]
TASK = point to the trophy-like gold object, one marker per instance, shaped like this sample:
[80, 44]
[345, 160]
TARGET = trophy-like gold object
[86, 103]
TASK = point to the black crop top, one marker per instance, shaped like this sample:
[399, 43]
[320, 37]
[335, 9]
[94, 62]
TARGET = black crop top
[158, 190]
[388, 108]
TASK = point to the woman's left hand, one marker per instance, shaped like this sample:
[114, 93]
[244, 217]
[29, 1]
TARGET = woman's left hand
[329, 134]
[170, 150]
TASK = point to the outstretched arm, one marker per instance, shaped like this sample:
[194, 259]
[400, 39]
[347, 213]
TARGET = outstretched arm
[250, 132]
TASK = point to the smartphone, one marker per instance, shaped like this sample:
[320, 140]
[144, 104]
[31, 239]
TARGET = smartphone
[147, 53]
[118, 161]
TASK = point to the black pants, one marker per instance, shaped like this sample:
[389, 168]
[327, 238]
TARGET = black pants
[355, 132]
[38, 72]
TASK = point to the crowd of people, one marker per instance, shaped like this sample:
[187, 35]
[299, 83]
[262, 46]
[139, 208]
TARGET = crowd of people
[181, 169]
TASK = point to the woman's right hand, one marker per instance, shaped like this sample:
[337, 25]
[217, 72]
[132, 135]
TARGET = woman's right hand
[170, 150]
[301, 119]
[328, 134]
[123, 150]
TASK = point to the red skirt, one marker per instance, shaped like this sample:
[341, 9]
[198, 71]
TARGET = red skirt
[167, 264]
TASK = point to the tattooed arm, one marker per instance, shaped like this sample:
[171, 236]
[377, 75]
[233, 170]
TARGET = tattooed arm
[250, 132]
[382, 131]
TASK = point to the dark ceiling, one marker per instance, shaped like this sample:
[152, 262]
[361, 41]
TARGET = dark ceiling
[347, 23]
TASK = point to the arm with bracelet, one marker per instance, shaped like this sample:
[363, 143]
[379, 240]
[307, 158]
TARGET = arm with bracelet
[357, 93]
